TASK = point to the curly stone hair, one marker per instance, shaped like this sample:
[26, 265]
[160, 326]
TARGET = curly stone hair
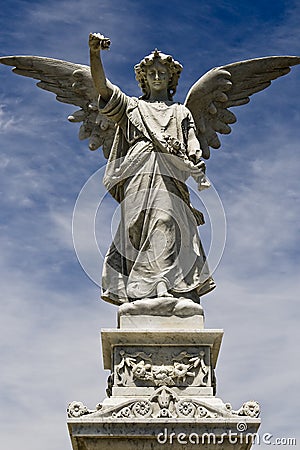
[174, 69]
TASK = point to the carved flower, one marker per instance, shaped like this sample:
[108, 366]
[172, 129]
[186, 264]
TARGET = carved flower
[180, 370]
[251, 409]
[140, 369]
[142, 408]
[186, 408]
[76, 409]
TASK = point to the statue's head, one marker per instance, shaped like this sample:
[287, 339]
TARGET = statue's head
[174, 70]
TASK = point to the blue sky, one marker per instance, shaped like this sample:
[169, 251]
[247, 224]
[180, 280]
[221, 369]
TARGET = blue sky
[51, 315]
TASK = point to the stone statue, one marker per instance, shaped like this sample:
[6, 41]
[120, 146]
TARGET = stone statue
[156, 264]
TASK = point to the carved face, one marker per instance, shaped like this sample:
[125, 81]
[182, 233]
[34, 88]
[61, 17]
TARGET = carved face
[157, 77]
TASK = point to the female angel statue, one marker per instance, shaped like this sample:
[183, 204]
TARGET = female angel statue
[153, 144]
[157, 251]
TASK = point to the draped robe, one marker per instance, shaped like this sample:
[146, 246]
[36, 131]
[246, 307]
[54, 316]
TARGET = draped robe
[157, 239]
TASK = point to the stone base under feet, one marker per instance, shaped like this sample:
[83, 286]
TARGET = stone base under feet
[162, 306]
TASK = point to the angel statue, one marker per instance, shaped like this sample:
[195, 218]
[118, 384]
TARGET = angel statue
[156, 263]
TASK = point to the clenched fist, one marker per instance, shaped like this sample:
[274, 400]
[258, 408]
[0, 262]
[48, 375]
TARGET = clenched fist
[98, 42]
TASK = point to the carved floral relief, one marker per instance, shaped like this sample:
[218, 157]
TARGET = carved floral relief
[181, 370]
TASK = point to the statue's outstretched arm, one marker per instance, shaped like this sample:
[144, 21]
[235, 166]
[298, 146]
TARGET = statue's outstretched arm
[98, 42]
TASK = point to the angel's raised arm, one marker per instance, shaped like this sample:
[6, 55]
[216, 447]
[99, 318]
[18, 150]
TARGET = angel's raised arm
[98, 42]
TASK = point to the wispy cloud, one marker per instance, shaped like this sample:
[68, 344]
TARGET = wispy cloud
[51, 315]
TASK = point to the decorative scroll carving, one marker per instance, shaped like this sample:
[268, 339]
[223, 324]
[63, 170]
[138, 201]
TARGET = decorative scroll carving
[78, 409]
[165, 403]
[250, 409]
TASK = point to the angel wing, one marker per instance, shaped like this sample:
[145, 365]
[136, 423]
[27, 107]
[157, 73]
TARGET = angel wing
[72, 83]
[227, 86]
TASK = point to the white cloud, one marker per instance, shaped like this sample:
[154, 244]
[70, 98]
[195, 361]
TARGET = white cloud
[6, 123]
[49, 309]
[45, 337]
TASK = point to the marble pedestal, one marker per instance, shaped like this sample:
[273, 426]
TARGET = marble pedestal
[161, 391]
